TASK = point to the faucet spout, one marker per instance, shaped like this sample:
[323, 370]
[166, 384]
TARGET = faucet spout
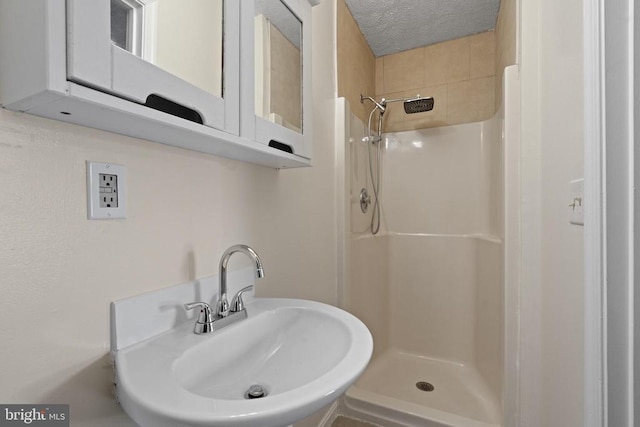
[222, 307]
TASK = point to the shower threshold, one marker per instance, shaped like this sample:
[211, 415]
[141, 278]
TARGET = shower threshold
[392, 392]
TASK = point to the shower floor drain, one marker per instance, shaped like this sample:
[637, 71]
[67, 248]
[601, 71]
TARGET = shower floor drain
[425, 386]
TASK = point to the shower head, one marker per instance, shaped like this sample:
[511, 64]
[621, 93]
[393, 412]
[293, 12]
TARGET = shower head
[411, 105]
[418, 105]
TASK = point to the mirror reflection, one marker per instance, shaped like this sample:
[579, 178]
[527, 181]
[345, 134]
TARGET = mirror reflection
[278, 59]
[183, 37]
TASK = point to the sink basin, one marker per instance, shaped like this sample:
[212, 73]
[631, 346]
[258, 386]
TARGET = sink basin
[302, 354]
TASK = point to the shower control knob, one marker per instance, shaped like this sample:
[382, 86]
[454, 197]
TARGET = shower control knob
[365, 200]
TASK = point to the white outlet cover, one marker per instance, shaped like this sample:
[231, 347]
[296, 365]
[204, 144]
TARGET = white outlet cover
[94, 210]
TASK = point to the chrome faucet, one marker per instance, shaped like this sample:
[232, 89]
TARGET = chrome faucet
[208, 321]
[222, 307]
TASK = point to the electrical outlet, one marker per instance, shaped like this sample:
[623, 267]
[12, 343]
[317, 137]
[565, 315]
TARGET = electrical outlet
[108, 190]
[105, 191]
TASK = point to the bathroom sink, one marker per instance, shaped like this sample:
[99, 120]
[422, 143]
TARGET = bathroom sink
[292, 356]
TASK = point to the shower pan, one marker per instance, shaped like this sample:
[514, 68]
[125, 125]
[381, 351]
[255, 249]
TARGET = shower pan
[429, 284]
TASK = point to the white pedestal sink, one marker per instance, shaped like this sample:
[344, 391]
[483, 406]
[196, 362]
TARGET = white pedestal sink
[303, 355]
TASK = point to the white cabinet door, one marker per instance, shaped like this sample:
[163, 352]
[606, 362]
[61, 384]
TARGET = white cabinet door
[169, 55]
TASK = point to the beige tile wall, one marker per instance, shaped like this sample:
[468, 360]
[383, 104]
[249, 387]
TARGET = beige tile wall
[356, 63]
[459, 74]
[506, 43]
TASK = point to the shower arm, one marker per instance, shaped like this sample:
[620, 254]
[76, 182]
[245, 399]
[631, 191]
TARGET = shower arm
[385, 101]
[382, 105]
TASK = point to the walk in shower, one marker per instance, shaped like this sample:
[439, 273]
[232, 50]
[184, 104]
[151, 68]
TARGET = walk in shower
[429, 285]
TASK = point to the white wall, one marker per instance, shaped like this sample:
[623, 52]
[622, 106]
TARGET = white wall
[60, 271]
[552, 145]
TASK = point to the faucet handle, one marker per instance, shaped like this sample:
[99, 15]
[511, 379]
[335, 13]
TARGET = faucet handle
[236, 303]
[205, 316]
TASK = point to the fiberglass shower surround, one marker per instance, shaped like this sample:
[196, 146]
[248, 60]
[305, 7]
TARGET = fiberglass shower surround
[430, 286]
[411, 106]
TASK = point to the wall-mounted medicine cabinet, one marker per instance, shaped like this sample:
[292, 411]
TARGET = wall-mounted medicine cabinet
[170, 71]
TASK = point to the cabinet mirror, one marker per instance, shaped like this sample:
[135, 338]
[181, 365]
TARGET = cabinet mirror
[184, 38]
[278, 64]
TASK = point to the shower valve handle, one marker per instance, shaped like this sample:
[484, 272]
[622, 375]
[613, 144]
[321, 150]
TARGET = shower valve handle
[365, 200]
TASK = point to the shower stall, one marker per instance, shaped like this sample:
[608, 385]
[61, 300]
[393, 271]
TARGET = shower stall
[432, 284]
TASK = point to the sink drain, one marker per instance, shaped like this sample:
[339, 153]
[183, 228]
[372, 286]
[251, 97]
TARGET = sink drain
[425, 386]
[255, 391]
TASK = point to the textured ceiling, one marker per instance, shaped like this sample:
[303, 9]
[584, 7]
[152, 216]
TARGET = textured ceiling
[392, 26]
